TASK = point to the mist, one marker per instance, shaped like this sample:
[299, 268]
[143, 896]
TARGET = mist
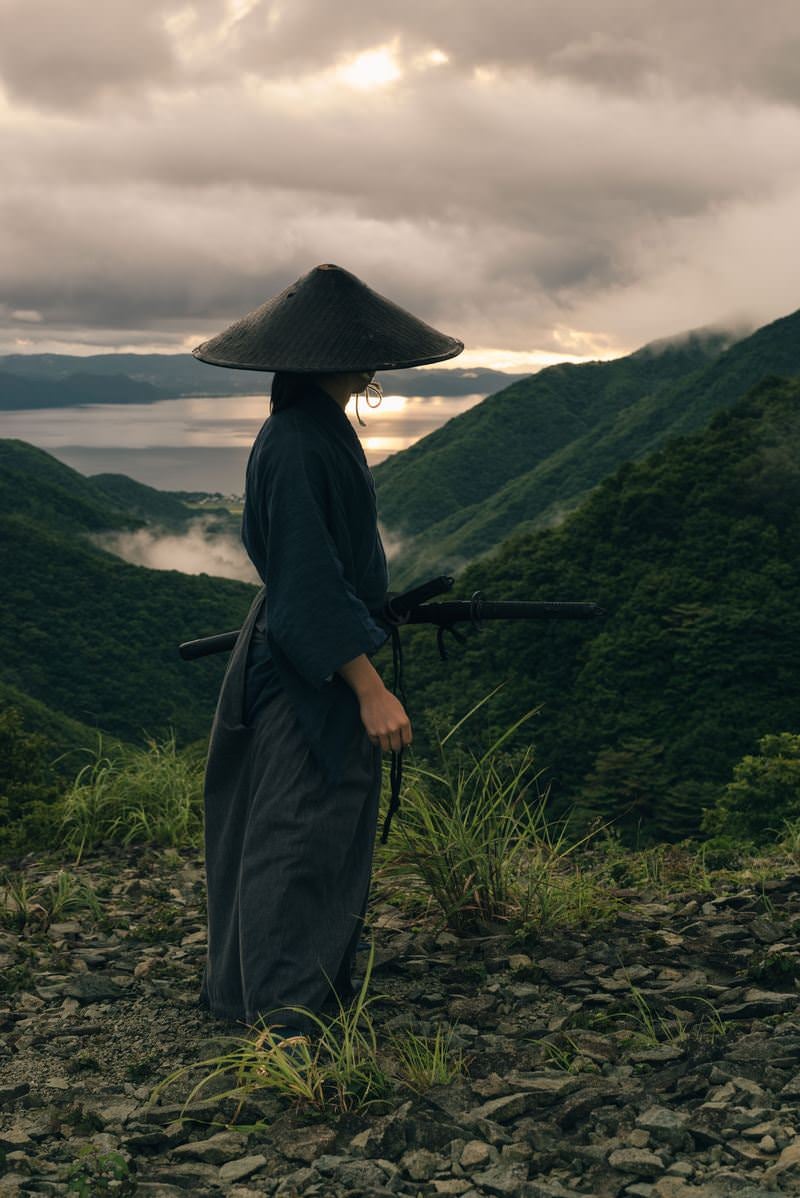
[195, 551]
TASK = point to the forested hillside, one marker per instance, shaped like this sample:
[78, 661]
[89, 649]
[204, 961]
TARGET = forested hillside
[695, 554]
[626, 410]
[86, 634]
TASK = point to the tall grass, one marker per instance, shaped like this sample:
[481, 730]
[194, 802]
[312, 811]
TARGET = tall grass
[475, 833]
[130, 794]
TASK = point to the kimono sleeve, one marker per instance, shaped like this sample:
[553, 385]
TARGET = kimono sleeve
[314, 615]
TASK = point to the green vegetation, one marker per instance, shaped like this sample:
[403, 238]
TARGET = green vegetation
[764, 795]
[338, 1067]
[38, 907]
[530, 454]
[694, 554]
[87, 634]
[133, 795]
[477, 839]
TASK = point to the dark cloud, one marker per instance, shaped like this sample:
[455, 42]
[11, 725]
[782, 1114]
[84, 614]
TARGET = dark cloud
[72, 55]
[571, 177]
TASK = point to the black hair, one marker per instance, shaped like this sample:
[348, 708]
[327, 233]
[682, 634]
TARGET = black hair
[286, 386]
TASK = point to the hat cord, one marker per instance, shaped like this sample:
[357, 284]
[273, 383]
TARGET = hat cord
[372, 388]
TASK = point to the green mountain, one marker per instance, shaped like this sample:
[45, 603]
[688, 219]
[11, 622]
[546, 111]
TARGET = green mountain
[532, 453]
[147, 503]
[86, 634]
[695, 555]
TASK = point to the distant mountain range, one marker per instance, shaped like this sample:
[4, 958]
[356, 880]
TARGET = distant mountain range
[65, 380]
[529, 454]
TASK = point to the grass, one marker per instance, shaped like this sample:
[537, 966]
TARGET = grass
[653, 1029]
[422, 1062]
[25, 905]
[336, 1069]
[134, 795]
[475, 835]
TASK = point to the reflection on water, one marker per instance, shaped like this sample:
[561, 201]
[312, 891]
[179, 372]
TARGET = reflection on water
[202, 443]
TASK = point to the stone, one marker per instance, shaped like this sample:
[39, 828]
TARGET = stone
[243, 1167]
[475, 1154]
[420, 1164]
[788, 1161]
[504, 1179]
[577, 1106]
[9, 1094]
[664, 1125]
[306, 1143]
[500, 1110]
[637, 1161]
[213, 1151]
[13, 1138]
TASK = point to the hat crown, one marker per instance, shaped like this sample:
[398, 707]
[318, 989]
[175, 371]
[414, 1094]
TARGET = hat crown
[328, 321]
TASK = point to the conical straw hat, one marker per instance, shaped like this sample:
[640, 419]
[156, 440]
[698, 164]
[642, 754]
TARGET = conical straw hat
[328, 322]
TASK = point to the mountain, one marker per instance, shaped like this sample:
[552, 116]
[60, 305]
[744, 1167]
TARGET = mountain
[88, 635]
[694, 553]
[61, 380]
[18, 391]
[528, 455]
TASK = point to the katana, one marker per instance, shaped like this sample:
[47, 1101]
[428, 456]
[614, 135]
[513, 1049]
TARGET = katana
[412, 607]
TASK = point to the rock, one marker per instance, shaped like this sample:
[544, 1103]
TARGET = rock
[664, 1052]
[9, 1094]
[545, 1088]
[505, 1179]
[578, 1105]
[361, 1176]
[759, 1002]
[788, 1161]
[475, 1154]
[420, 1164]
[306, 1143]
[664, 1125]
[14, 1138]
[500, 1110]
[213, 1151]
[243, 1167]
[87, 987]
[450, 1185]
[637, 1161]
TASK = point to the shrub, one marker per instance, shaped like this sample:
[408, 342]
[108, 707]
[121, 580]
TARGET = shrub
[764, 793]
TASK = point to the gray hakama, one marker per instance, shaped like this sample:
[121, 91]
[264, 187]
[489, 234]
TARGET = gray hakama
[288, 857]
[292, 779]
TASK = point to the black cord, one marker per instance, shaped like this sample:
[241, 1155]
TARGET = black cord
[396, 766]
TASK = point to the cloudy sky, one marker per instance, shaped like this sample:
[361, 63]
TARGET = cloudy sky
[536, 177]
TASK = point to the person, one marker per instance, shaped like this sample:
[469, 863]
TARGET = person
[293, 773]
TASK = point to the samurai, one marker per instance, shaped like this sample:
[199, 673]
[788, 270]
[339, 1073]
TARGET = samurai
[294, 768]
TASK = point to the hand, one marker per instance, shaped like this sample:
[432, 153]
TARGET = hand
[385, 719]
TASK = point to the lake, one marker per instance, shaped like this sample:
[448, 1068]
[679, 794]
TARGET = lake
[201, 443]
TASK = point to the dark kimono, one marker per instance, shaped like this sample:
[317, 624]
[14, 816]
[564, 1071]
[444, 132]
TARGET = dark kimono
[292, 779]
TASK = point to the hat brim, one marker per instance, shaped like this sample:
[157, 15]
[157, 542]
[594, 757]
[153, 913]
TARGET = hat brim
[328, 322]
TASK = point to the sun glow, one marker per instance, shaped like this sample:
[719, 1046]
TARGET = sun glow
[370, 69]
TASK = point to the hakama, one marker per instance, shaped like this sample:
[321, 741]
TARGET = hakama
[288, 857]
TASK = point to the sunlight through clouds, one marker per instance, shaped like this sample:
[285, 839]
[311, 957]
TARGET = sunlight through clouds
[370, 69]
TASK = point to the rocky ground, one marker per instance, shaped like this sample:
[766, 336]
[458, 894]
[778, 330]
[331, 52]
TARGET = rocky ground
[561, 1097]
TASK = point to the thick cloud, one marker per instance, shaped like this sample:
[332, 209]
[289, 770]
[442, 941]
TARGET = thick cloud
[571, 178]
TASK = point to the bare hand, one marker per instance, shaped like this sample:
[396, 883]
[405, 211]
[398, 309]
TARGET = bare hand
[385, 720]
